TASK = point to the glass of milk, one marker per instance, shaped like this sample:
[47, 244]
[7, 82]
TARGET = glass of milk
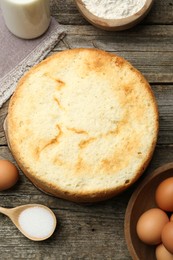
[26, 19]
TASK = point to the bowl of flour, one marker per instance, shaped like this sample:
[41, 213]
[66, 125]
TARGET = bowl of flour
[114, 15]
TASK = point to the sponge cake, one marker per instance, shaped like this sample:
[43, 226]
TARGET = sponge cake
[83, 124]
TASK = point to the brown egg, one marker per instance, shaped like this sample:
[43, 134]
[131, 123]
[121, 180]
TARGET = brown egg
[8, 174]
[164, 194]
[150, 225]
[162, 253]
[171, 218]
[167, 236]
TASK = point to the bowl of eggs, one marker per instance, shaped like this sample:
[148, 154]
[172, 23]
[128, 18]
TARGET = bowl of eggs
[148, 223]
[114, 15]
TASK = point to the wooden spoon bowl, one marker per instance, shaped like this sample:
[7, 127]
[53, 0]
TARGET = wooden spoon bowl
[141, 200]
[14, 213]
[114, 24]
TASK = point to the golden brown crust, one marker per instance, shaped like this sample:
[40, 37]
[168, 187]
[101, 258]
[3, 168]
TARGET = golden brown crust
[96, 61]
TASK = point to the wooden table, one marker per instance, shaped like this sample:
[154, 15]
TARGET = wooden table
[96, 232]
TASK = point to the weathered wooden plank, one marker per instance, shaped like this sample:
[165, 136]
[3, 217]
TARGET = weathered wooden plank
[67, 252]
[164, 97]
[140, 30]
[66, 12]
[119, 43]
[144, 38]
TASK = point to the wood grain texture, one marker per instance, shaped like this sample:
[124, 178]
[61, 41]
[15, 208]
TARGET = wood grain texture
[96, 231]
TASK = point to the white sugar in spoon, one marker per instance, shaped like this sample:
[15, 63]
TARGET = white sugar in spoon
[35, 221]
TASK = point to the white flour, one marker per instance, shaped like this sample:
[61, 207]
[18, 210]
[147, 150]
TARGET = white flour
[114, 9]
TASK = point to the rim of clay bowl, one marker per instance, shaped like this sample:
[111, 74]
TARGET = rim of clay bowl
[132, 201]
[114, 24]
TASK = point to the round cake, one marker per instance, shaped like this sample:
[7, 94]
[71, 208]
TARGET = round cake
[83, 125]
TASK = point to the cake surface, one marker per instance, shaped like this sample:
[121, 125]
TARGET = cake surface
[83, 124]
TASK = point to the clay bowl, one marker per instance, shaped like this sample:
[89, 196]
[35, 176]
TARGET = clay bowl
[141, 200]
[114, 24]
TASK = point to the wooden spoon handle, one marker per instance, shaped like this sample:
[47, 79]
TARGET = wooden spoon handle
[5, 211]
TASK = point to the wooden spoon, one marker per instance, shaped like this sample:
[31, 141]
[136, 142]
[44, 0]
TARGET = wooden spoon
[14, 213]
